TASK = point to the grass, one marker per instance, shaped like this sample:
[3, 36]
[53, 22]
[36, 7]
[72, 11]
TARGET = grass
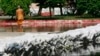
[58, 17]
[64, 17]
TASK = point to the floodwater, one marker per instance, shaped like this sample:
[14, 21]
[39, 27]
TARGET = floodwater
[34, 29]
[45, 25]
[77, 42]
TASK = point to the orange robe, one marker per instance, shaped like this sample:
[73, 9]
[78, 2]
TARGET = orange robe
[19, 16]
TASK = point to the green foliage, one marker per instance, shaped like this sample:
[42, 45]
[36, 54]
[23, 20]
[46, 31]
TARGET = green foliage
[48, 3]
[92, 6]
[41, 3]
[82, 6]
[9, 7]
[56, 3]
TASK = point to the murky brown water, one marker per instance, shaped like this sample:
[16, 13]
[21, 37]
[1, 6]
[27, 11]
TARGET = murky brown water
[33, 29]
[45, 25]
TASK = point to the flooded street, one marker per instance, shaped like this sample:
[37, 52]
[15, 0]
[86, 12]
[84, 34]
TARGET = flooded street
[76, 42]
[45, 25]
[34, 29]
[50, 38]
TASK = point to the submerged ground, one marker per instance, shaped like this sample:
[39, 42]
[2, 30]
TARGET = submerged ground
[77, 42]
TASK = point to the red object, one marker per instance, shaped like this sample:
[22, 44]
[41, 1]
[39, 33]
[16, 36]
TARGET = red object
[46, 13]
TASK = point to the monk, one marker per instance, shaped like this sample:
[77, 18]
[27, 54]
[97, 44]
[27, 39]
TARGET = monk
[20, 17]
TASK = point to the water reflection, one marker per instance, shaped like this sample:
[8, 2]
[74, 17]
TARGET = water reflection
[78, 42]
[20, 29]
[60, 46]
[87, 47]
[33, 29]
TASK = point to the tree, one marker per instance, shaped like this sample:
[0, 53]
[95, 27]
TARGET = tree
[56, 3]
[81, 6]
[50, 4]
[41, 5]
[92, 6]
[9, 7]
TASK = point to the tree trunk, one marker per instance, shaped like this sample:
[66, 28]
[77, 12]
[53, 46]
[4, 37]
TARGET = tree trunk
[50, 12]
[53, 10]
[61, 9]
[12, 17]
[40, 10]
